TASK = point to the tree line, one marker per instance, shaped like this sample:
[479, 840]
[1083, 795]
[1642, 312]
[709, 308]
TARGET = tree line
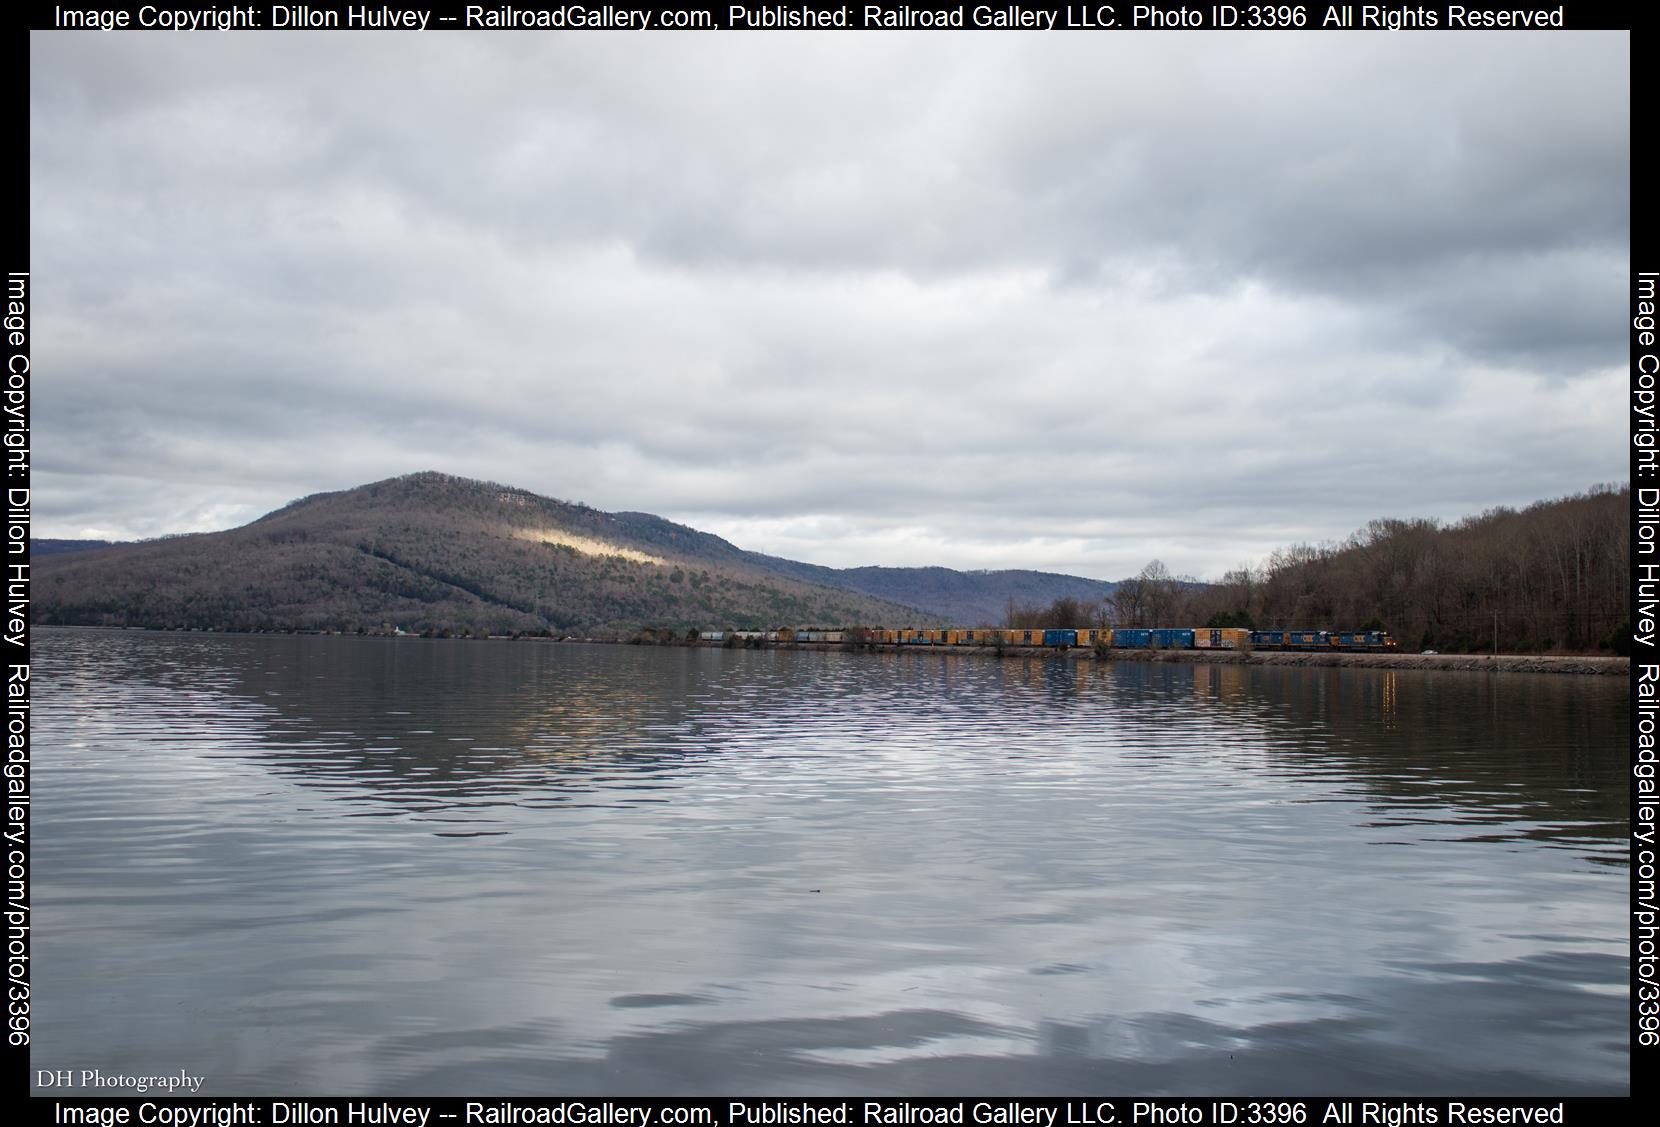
[1551, 577]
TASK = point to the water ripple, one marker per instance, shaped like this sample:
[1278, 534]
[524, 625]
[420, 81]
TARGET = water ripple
[391, 865]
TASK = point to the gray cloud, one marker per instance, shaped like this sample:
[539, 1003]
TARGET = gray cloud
[998, 300]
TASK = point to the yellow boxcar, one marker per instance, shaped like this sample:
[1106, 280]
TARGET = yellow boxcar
[1226, 638]
[1092, 636]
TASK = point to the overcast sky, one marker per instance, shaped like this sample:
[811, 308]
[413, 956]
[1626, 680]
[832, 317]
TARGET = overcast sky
[1064, 301]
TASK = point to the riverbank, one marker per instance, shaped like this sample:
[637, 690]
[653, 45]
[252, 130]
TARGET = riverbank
[1580, 664]
[1488, 663]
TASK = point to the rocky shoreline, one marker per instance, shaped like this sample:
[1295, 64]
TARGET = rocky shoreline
[1478, 663]
[1581, 664]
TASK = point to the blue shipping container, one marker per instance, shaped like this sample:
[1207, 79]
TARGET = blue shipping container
[1172, 639]
[1060, 637]
[1132, 639]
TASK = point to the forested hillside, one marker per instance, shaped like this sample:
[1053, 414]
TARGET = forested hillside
[430, 552]
[1551, 577]
[440, 554]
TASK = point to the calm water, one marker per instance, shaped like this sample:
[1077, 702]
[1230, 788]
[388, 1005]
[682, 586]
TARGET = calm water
[363, 866]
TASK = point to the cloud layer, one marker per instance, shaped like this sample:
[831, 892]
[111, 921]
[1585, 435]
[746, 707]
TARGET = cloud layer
[1043, 300]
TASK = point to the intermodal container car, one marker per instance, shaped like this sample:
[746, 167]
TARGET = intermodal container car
[1291, 639]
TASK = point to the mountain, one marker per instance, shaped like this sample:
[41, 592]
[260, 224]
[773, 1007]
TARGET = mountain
[42, 547]
[979, 597]
[430, 552]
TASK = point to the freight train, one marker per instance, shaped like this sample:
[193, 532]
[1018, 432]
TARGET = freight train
[1124, 638]
[1155, 638]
